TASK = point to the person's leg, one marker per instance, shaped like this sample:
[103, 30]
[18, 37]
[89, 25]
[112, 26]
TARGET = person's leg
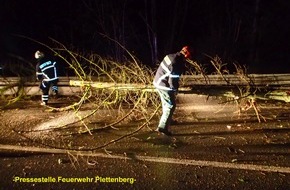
[45, 90]
[168, 107]
[172, 99]
[54, 87]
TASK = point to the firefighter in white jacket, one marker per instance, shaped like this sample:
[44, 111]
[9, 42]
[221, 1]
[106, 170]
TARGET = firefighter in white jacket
[166, 81]
[47, 73]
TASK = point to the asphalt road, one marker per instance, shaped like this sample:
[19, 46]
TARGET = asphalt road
[212, 148]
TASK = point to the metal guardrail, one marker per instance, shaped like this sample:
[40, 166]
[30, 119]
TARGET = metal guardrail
[72, 85]
[257, 79]
[28, 81]
[28, 86]
[240, 80]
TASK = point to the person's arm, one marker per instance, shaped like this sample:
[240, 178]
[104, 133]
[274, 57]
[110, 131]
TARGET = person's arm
[38, 72]
[174, 75]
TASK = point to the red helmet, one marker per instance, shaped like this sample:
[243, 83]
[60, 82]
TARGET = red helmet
[186, 51]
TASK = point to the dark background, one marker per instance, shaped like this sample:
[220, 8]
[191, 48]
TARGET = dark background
[254, 33]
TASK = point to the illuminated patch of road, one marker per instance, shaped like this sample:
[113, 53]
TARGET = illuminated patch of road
[65, 119]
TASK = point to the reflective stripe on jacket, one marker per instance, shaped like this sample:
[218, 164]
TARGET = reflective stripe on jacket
[46, 70]
[169, 71]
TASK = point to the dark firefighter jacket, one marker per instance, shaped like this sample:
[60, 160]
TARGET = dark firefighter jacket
[169, 72]
[46, 70]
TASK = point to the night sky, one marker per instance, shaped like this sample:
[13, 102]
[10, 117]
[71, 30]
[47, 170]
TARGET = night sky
[254, 33]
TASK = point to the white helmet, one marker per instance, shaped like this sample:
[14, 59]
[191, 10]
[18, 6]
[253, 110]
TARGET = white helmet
[38, 54]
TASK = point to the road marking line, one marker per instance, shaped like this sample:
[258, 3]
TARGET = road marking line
[204, 163]
[164, 160]
[216, 164]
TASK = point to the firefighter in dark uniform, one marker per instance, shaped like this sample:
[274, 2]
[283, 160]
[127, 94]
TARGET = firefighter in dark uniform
[166, 82]
[47, 73]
